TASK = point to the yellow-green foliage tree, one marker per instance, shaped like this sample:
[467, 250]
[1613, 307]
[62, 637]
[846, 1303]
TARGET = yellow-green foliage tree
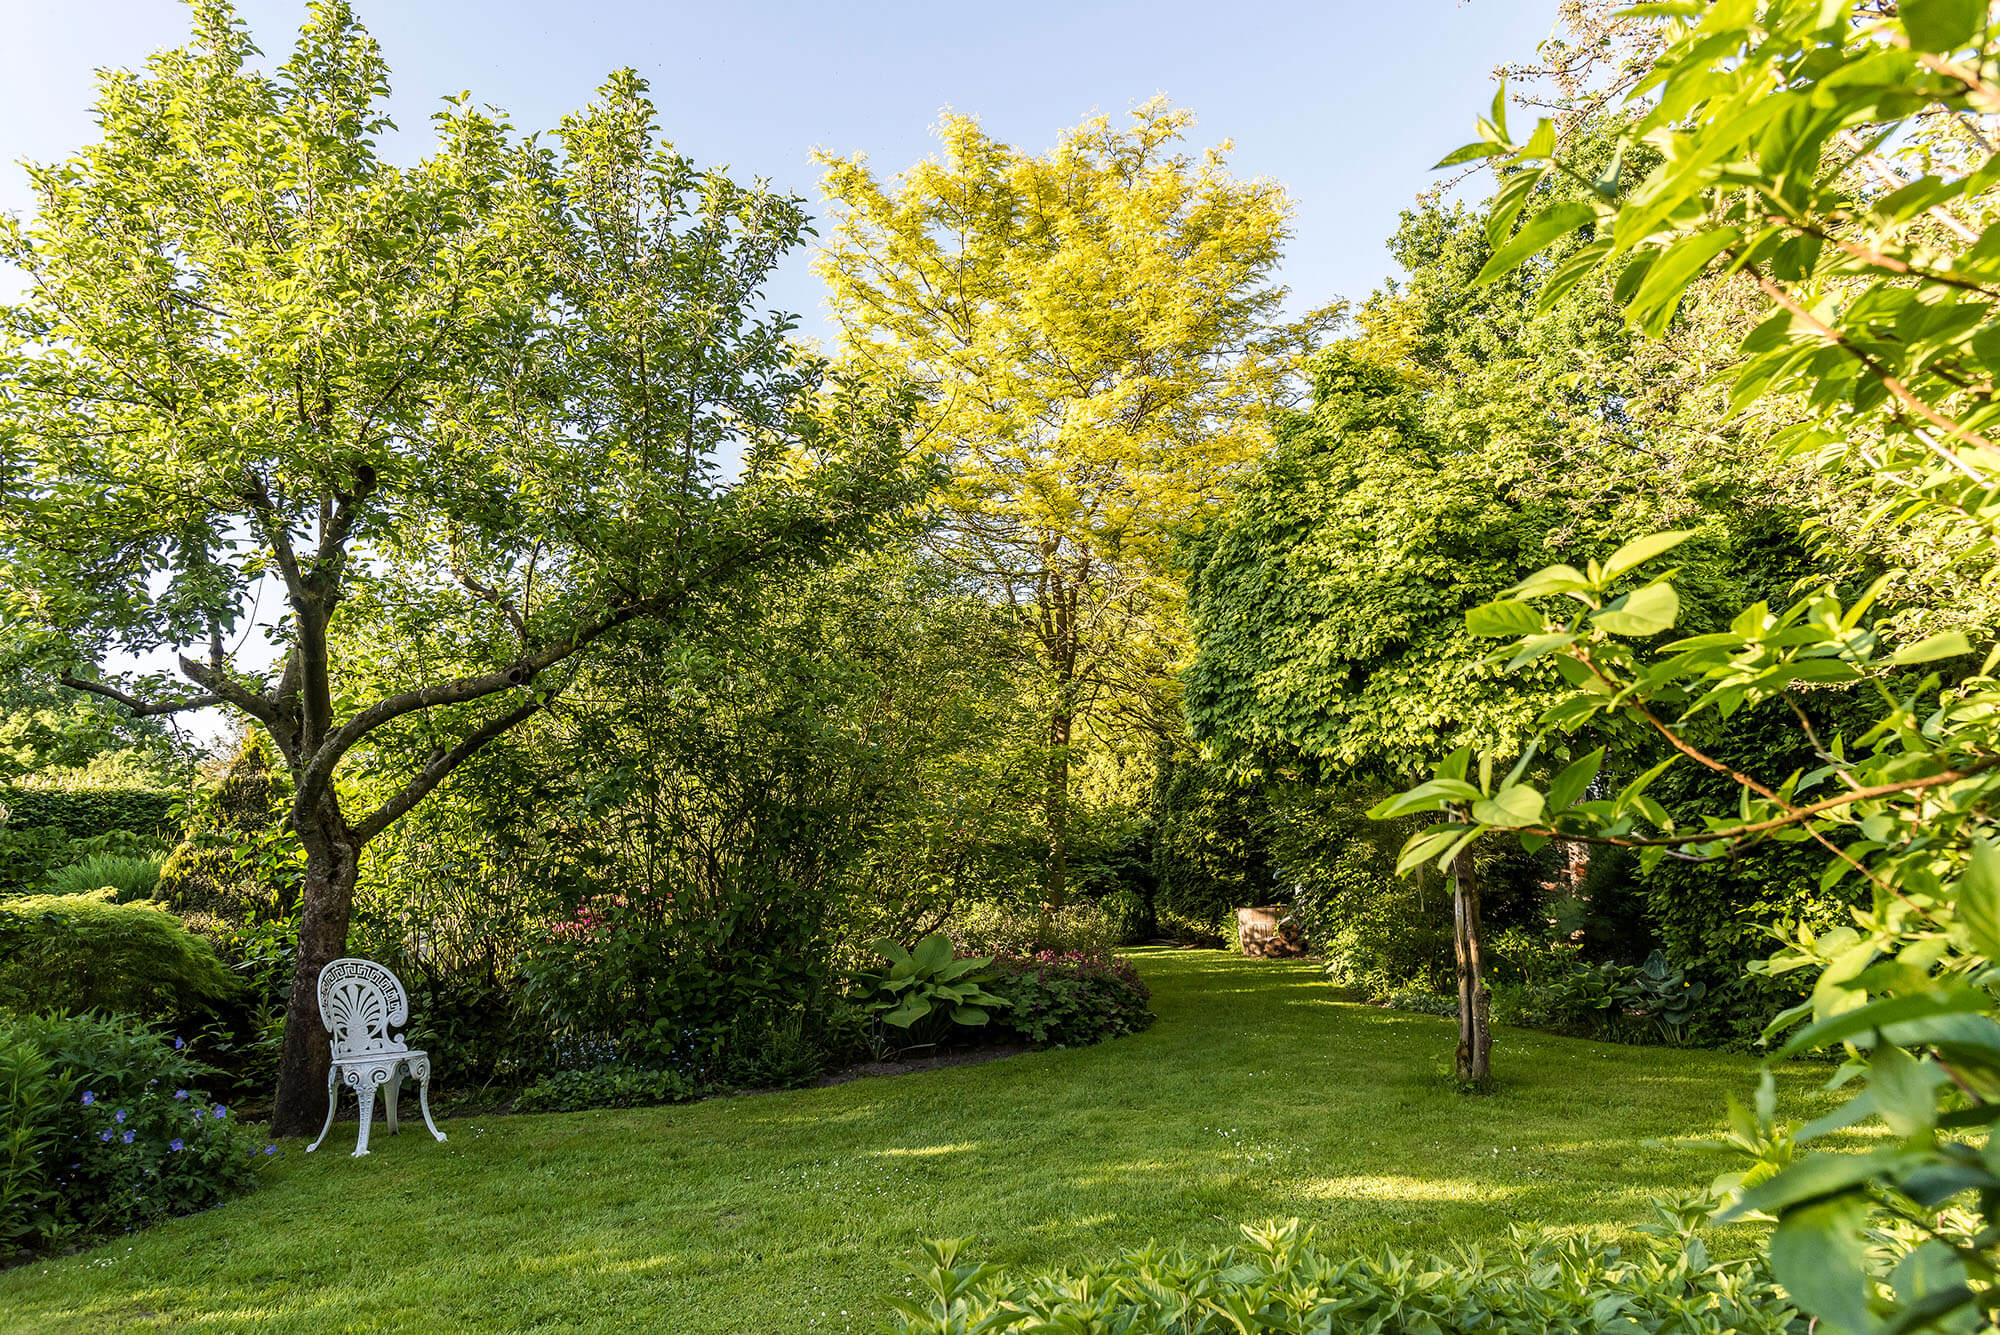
[1098, 340]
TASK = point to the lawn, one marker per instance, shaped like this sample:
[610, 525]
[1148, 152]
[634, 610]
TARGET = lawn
[1258, 1094]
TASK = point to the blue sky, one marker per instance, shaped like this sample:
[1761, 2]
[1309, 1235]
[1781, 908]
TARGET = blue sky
[1348, 104]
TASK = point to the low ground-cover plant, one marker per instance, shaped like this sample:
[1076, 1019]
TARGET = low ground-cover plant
[132, 876]
[1067, 999]
[604, 1087]
[105, 1128]
[1277, 1280]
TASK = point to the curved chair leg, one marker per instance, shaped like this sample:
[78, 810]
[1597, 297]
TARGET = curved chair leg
[332, 1095]
[367, 1093]
[389, 1093]
[424, 1099]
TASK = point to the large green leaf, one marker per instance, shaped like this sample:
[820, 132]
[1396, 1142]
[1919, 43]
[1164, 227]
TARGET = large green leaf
[1432, 795]
[1641, 550]
[1941, 25]
[1979, 898]
[1646, 611]
[1546, 227]
[1510, 808]
[1574, 781]
[914, 1008]
[1506, 619]
[933, 953]
[1948, 645]
[1820, 1255]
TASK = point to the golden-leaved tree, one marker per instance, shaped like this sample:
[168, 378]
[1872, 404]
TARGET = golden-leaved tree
[1098, 340]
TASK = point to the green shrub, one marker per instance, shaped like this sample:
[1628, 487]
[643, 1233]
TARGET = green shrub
[1423, 1003]
[132, 877]
[1070, 1000]
[86, 952]
[1192, 930]
[28, 853]
[604, 1087]
[239, 862]
[1279, 1281]
[82, 812]
[107, 1129]
[783, 1054]
[928, 990]
[1022, 930]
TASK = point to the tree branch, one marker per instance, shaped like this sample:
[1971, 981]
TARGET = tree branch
[434, 772]
[137, 707]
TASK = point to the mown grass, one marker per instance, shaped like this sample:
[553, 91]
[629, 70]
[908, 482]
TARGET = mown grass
[1257, 1095]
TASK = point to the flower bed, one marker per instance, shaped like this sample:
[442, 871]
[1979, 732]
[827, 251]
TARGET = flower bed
[1070, 998]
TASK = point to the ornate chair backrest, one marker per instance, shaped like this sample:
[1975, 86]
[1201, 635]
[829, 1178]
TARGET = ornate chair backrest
[360, 1001]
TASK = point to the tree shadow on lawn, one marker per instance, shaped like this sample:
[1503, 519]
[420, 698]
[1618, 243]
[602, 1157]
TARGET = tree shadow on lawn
[1254, 1097]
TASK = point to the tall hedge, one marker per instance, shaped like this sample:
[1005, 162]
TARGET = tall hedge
[83, 812]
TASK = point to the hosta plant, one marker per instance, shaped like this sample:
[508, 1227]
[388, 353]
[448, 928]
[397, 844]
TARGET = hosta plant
[926, 990]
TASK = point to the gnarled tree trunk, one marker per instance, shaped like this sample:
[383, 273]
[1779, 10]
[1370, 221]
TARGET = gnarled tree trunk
[333, 864]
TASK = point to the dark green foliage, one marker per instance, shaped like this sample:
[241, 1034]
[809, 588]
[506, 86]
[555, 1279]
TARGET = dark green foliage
[604, 1087]
[238, 863]
[31, 1090]
[82, 812]
[119, 1131]
[1209, 854]
[1071, 999]
[76, 953]
[828, 765]
[44, 829]
[1608, 913]
[1554, 988]
[132, 877]
[1279, 1281]
[1378, 932]
[29, 853]
[684, 991]
[1022, 929]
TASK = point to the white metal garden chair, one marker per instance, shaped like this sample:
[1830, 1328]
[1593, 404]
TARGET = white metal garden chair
[360, 1002]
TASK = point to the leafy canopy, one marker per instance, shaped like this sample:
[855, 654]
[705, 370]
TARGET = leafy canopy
[1840, 160]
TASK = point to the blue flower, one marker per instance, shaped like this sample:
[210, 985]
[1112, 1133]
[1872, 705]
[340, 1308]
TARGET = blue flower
[105, 1137]
[270, 1149]
[118, 1116]
[180, 1093]
[178, 1045]
[88, 1098]
[128, 1137]
[221, 1111]
[174, 1144]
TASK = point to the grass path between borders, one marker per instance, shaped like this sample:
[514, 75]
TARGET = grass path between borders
[1257, 1095]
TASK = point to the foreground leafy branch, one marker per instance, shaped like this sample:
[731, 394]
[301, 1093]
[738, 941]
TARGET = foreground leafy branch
[1839, 159]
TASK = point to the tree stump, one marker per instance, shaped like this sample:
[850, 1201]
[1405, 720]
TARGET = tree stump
[1266, 935]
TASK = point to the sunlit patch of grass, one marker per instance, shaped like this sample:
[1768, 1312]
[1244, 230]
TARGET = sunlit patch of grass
[1257, 1095]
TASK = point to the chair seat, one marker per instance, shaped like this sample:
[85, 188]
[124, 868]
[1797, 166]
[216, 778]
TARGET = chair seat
[381, 1055]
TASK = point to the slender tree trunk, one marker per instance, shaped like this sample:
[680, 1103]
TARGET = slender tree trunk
[1055, 872]
[333, 862]
[1475, 1040]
